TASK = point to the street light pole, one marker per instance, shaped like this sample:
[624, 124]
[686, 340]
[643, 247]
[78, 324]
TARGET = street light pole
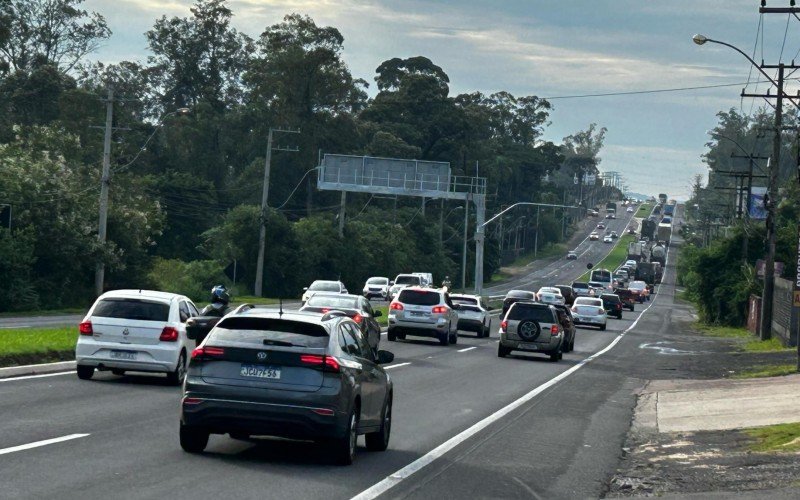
[100, 268]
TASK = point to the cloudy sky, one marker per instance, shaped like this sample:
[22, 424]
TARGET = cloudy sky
[555, 48]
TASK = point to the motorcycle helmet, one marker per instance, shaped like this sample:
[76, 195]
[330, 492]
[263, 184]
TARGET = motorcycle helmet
[220, 294]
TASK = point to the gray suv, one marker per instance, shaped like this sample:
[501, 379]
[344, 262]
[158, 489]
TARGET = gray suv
[531, 327]
[426, 312]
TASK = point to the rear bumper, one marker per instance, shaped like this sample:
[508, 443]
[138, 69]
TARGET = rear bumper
[590, 320]
[160, 357]
[470, 324]
[552, 345]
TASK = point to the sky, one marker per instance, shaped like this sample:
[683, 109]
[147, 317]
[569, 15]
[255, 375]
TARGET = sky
[554, 49]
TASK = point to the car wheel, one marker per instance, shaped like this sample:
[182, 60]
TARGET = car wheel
[487, 332]
[502, 352]
[379, 440]
[193, 439]
[572, 344]
[390, 335]
[444, 338]
[401, 336]
[529, 330]
[85, 372]
[344, 448]
[632, 307]
[176, 377]
[555, 356]
[454, 338]
[603, 327]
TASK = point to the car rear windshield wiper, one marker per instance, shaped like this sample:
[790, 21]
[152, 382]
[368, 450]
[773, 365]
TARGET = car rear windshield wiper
[280, 343]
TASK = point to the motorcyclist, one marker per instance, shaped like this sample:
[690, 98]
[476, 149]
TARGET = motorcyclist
[446, 284]
[219, 302]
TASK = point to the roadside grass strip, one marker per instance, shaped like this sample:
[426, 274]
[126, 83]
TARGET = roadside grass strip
[617, 256]
[776, 438]
[26, 345]
[778, 370]
[383, 319]
[751, 343]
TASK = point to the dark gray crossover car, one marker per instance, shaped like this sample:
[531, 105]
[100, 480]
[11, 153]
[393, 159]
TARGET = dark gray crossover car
[532, 327]
[294, 375]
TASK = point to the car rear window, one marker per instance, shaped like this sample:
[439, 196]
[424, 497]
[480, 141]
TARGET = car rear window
[407, 280]
[324, 286]
[519, 294]
[530, 312]
[251, 330]
[610, 298]
[325, 301]
[419, 298]
[579, 285]
[139, 309]
[584, 301]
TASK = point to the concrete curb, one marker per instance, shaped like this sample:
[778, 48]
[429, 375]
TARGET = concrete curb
[19, 371]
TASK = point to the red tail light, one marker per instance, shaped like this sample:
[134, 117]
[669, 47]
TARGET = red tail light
[327, 363]
[396, 306]
[619, 306]
[169, 334]
[358, 318]
[86, 328]
[503, 325]
[326, 310]
[208, 353]
[554, 330]
[439, 310]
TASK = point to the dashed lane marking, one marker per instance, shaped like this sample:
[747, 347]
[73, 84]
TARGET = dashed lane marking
[467, 349]
[38, 444]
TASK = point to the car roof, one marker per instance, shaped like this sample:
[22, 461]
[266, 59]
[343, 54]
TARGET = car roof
[326, 281]
[302, 316]
[142, 294]
[464, 296]
[421, 289]
[336, 295]
[609, 296]
[518, 294]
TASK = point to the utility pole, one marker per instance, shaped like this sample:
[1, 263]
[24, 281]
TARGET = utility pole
[262, 235]
[342, 213]
[536, 237]
[464, 250]
[105, 179]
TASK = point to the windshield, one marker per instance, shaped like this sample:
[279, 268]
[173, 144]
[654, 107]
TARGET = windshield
[377, 281]
[143, 310]
[637, 285]
[580, 285]
[407, 280]
[586, 301]
[324, 286]
[332, 302]
[261, 331]
[601, 275]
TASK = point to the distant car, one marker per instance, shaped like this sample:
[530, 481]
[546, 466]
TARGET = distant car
[572, 256]
[628, 297]
[589, 311]
[531, 328]
[614, 234]
[593, 213]
[594, 236]
[608, 239]
[516, 296]
[612, 305]
[640, 287]
[632, 264]
[355, 307]
[294, 375]
[568, 324]
[136, 330]
[582, 289]
[427, 278]
[631, 230]
[323, 286]
[402, 281]
[568, 293]
[621, 276]
[376, 287]
[550, 295]
[473, 315]
[629, 210]
[597, 287]
[601, 226]
[425, 312]
[609, 216]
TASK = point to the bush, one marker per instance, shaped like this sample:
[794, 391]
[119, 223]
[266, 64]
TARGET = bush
[193, 279]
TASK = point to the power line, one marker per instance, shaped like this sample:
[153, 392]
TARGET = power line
[650, 91]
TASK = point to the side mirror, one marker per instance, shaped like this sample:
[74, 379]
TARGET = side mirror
[305, 288]
[385, 357]
[377, 314]
[391, 283]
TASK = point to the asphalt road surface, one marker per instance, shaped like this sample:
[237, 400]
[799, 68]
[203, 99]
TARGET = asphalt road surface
[117, 436]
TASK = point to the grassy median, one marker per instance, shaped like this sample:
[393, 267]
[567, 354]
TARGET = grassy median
[20, 346]
[617, 256]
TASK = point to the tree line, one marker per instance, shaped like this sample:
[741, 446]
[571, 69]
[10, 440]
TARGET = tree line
[185, 189]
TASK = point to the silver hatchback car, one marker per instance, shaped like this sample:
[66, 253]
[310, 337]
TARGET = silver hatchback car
[426, 312]
[531, 327]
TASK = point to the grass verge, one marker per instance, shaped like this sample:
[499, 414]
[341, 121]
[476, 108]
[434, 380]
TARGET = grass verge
[37, 345]
[767, 371]
[617, 256]
[644, 210]
[47, 312]
[781, 437]
[751, 344]
[383, 319]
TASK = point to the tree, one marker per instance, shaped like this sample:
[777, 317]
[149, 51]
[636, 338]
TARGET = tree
[48, 32]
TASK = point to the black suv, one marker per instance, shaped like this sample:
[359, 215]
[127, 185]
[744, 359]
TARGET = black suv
[612, 304]
[295, 375]
[516, 296]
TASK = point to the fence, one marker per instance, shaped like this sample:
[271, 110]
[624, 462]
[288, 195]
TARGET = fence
[785, 320]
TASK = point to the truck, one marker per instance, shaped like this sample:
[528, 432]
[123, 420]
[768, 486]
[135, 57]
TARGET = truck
[662, 198]
[648, 229]
[669, 210]
[664, 231]
[611, 208]
[635, 250]
[658, 254]
[646, 272]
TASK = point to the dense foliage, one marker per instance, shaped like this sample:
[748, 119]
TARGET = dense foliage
[186, 189]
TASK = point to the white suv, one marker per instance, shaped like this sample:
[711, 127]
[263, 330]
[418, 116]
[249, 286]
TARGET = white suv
[136, 330]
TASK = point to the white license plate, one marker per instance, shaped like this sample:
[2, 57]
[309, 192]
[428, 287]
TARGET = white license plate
[419, 314]
[527, 347]
[257, 371]
[129, 355]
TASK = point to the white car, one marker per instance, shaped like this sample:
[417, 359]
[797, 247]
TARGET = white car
[608, 239]
[427, 278]
[473, 314]
[403, 281]
[629, 210]
[136, 330]
[594, 236]
[550, 295]
[323, 286]
[376, 287]
[632, 264]
[589, 311]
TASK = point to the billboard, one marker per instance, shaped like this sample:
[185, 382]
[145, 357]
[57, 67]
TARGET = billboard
[757, 209]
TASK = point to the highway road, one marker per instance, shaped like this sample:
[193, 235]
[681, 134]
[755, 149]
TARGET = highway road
[117, 436]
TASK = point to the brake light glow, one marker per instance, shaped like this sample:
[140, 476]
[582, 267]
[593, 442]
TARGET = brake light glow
[327, 363]
[396, 306]
[358, 318]
[326, 310]
[169, 334]
[325, 412]
[86, 328]
[192, 401]
[554, 330]
[503, 325]
[208, 352]
[439, 310]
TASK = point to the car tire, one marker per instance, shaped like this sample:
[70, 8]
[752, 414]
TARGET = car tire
[444, 338]
[487, 332]
[535, 330]
[603, 327]
[193, 439]
[176, 377]
[379, 440]
[454, 338]
[391, 336]
[401, 336]
[555, 356]
[85, 372]
[343, 449]
[572, 344]
[502, 351]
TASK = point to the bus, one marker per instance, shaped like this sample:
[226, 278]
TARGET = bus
[602, 276]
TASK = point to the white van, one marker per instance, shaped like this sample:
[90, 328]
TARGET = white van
[603, 276]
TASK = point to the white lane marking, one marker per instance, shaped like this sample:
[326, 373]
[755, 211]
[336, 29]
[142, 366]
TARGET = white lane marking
[397, 477]
[26, 377]
[467, 349]
[398, 365]
[16, 326]
[37, 444]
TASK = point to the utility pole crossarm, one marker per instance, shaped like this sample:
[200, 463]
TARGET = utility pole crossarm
[529, 204]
